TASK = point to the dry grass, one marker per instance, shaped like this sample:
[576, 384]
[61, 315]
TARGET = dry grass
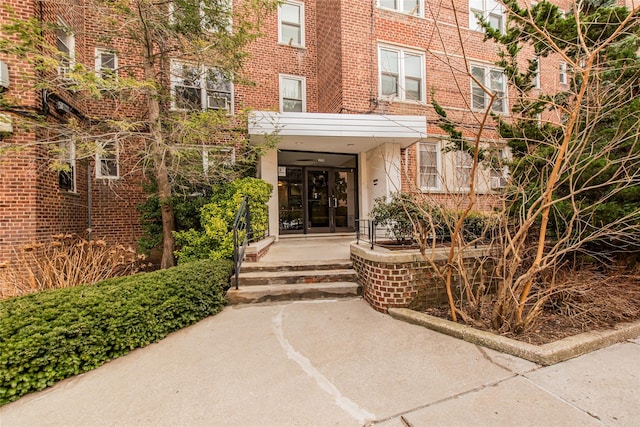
[595, 299]
[64, 262]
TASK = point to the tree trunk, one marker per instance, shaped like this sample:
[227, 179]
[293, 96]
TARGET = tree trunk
[158, 156]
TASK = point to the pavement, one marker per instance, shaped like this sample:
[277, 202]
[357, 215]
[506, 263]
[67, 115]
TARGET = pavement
[294, 248]
[335, 363]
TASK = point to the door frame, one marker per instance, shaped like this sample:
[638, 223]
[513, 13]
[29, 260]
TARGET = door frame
[331, 228]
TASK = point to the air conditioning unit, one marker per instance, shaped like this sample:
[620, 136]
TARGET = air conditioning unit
[498, 182]
[4, 75]
[217, 103]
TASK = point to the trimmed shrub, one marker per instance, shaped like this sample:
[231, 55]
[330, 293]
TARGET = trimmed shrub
[52, 335]
[216, 218]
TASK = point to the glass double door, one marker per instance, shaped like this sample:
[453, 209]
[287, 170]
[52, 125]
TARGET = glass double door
[317, 200]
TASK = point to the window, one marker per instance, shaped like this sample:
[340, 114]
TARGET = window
[107, 165]
[198, 87]
[106, 63]
[411, 7]
[499, 172]
[536, 77]
[67, 173]
[292, 94]
[291, 19]
[401, 74]
[563, 73]
[215, 158]
[492, 79]
[429, 161]
[464, 163]
[66, 45]
[213, 17]
[491, 10]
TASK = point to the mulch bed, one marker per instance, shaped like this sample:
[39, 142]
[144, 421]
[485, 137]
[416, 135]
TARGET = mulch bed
[583, 301]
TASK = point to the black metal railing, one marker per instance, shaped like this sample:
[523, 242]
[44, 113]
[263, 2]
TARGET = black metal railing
[241, 236]
[366, 231]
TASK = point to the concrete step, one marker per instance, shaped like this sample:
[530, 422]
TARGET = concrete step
[292, 292]
[338, 264]
[258, 278]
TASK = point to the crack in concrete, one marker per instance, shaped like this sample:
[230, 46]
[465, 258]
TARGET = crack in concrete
[436, 402]
[562, 399]
[486, 355]
[346, 404]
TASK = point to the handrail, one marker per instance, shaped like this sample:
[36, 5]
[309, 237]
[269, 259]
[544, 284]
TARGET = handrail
[241, 235]
[371, 233]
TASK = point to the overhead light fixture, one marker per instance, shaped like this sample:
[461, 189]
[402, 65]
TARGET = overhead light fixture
[351, 145]
[298, 143]
[321, 160]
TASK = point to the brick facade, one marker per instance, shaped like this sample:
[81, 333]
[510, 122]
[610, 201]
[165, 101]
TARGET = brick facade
[405, 279]
[339, 61]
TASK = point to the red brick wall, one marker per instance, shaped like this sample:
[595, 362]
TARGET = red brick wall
[330, 59]
[268, 59]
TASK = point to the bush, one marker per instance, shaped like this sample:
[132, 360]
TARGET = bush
[64, 262]
[52, 335]
[398, 215]
[216, 217]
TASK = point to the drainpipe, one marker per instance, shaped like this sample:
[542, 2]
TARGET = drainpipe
[89, 201]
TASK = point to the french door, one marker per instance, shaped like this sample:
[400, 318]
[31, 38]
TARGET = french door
[317, 200]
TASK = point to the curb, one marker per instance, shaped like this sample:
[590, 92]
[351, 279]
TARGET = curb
[546, 354]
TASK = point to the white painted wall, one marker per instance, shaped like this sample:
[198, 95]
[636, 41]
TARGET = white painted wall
[382, 171]
[268, 171]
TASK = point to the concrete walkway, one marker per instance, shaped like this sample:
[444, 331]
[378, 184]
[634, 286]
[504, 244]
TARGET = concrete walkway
[334, 363]
[310, 248]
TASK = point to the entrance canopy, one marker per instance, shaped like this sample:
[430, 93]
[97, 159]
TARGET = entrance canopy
[337, 133]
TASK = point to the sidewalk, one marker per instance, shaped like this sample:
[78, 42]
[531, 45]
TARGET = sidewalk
[328, 363]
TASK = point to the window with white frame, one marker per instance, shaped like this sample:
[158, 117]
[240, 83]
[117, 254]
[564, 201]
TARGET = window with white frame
[292, 93]
[220, 12]
[401, 74]
[410, 7]
[107, 161]
[199, 87]
[106, 63]
[66, 45]
[562, 68]
[463, 163]
[67, 172]
[492, 12]
[492, 79]
[291, 23]
[536, 77]
[215, 158]
[499, 175]
[429, 166]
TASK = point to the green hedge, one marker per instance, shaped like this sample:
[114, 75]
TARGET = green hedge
[52, 335]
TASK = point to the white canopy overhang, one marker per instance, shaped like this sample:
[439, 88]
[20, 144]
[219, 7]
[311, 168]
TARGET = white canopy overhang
[337, 133]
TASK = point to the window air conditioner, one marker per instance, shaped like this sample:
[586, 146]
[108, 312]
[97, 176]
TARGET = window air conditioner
[217, 103]
[498, 182]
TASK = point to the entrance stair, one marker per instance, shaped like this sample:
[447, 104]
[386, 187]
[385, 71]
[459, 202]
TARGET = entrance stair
[294, 280]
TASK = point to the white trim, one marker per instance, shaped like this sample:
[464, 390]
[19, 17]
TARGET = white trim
[300, 5]
[99, 159]
[177, 79]
[489, 8]
[99, 64]
[438, 154]
[562, 70]
[68, 155]
[536, 79]
[487, 85]
[69, 41]
[401, 75]
[400, 8]
[303, 89]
